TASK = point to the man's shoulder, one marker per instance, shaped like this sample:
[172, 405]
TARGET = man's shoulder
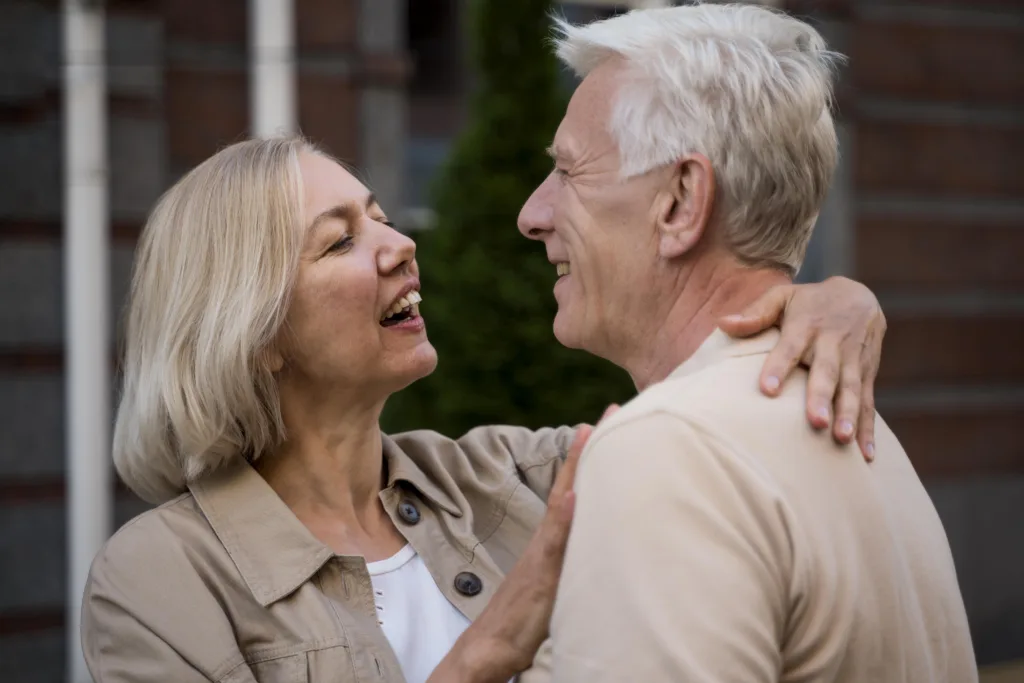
[720, 412]
[683, 424]
[656, 460]
[723, 396]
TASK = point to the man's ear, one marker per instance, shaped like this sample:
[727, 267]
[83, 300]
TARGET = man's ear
[687, 207]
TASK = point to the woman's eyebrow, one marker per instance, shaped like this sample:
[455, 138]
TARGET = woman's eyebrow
[344, 212]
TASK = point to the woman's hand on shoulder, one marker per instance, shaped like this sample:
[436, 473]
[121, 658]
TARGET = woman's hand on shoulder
[505, 638]
[836, 327]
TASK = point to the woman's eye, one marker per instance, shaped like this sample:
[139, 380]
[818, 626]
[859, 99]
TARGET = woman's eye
[341, 244]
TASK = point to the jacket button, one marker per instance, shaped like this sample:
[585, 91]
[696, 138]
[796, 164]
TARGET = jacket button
[468, 583]
[408, 512]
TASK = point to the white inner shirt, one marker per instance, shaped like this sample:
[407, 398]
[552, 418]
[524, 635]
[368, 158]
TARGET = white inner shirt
[418, 621]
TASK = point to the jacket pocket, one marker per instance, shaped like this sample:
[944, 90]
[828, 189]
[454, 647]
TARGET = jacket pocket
[311, 662]
[343, 665]
[286, 669]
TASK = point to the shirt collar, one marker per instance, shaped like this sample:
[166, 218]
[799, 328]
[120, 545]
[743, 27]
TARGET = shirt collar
[274, 552]
[719, 346]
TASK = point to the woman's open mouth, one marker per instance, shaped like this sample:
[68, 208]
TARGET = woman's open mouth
[406, 308]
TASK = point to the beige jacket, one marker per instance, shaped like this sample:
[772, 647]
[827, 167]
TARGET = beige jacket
[225, 584]
[718, 537]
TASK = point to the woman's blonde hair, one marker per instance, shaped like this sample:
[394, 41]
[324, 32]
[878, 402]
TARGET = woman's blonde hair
[211, 283]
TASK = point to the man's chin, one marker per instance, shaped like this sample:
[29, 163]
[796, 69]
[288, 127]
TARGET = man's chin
[565, 333]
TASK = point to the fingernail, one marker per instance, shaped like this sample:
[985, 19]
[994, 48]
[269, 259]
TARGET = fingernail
[772, 383]
[822, 414]
[870, 448]
[845, 428]
[733, 319]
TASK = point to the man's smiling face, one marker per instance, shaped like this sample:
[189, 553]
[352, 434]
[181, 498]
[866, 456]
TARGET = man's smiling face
[599, 230]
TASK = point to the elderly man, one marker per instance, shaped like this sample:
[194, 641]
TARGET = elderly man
[717, 536]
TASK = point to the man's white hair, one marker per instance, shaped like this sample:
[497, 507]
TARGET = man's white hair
[749, 88]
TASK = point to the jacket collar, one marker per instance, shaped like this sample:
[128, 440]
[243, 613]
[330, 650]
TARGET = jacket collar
[274, 552]
[402, 468]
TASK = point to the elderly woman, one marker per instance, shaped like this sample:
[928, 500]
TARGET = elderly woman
[274, 309]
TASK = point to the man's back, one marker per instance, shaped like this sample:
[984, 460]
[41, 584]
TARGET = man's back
[741, 545]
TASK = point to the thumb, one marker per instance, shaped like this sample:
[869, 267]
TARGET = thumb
[567, 474]
[760, 315]
[608, 412]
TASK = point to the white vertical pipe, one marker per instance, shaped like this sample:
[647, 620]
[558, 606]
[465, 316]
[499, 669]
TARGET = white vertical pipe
[86, 300]
[272, 90]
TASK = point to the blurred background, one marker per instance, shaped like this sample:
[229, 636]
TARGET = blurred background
[445, 107]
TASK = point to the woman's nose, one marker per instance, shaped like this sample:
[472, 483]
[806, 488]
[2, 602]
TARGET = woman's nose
[398, 252]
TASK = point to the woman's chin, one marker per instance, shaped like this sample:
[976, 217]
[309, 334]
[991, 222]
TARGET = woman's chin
[426, 360]
[417, 364]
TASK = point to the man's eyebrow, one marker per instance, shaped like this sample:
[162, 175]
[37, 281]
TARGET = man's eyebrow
[560, 155]
[343, 212]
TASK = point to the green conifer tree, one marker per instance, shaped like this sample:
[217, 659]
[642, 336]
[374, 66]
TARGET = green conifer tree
[487, 290]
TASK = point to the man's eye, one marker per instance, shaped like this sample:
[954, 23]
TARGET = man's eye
[341, 244]
[561, 172]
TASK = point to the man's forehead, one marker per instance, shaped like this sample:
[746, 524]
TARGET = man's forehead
[585, 125]
[602, 81]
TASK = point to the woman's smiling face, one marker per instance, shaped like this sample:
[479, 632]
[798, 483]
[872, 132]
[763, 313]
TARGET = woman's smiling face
[355, 270]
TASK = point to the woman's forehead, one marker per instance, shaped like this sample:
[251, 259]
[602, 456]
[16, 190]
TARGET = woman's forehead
[326, 182]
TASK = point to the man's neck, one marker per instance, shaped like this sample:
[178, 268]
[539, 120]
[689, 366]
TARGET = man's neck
[712, 290]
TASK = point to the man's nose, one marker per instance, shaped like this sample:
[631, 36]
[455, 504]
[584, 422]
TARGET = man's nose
[537, 214]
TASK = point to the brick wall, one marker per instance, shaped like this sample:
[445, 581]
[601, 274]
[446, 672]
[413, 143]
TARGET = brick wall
[32, 523]
[178, 82]
[933, 102]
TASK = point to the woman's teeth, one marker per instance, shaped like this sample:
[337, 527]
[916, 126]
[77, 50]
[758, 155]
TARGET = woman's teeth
[410, 303]
[562, 268]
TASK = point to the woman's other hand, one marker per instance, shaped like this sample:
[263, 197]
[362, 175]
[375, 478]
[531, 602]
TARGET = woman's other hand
[505, 638]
